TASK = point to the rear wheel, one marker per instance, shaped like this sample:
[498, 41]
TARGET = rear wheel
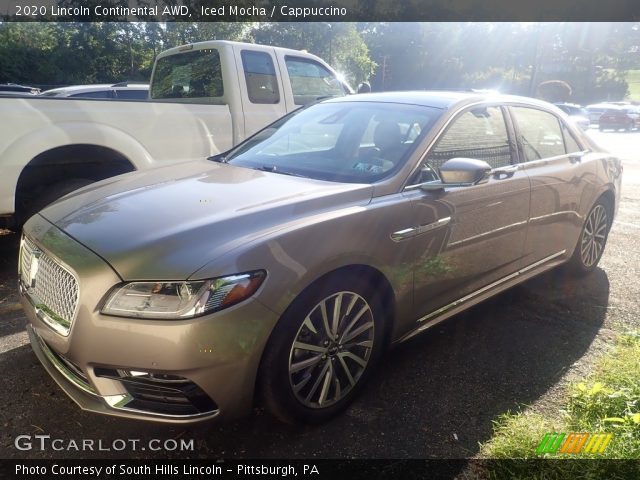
[593, 239]
[322, 351]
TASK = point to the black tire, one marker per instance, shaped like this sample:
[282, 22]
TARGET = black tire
[50, 195]
[346, 377]
[592, 240]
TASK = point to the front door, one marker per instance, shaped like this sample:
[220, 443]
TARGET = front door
[483, 226]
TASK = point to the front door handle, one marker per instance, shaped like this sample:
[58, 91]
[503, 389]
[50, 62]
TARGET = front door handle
[414, 231]
[576, 157]
[504, 172]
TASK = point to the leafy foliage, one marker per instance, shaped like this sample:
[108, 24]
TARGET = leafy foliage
[512, 57]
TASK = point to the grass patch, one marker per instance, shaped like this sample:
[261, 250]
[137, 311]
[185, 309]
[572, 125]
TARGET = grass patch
[608, 401]
[518, 435]
[633, 79]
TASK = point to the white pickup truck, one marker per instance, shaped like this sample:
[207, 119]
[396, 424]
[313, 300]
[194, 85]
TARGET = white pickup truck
[204, 99]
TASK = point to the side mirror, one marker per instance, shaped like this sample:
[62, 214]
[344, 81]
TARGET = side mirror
[459, 172]
[364, 87]
[464, 170]
[220, 157]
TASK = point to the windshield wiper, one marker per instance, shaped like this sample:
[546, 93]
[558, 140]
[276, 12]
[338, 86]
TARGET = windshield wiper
[274, 169]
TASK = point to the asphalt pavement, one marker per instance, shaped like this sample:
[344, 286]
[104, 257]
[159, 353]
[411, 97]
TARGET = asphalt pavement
[433, 397]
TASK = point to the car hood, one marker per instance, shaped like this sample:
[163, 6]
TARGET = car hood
[165, 223]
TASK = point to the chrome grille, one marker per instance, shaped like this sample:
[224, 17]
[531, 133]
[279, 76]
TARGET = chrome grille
[52, 289]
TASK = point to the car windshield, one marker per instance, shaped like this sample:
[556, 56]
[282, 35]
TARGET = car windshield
[354, 142]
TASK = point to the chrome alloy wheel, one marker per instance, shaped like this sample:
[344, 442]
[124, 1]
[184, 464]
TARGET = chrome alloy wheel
[331, 349]
[594, 236]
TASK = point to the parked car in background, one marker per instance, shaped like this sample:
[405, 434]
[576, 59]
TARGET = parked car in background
[626, 118]
[576, 113]
[282, 268]
[596, 110]
[15, 89]
[120, 91]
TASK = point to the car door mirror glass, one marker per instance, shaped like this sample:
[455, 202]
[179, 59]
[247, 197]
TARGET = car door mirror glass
[464, 170]
[458, 172]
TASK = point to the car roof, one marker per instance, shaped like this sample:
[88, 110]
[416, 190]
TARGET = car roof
[14, 87]
[602, 105]
[443, 99]
[217, 43]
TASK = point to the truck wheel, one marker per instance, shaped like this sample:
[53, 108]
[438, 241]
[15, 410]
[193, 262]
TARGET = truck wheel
[322, 351]
[49, 195]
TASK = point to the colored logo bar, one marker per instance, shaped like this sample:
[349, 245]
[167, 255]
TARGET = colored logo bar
[574, 443]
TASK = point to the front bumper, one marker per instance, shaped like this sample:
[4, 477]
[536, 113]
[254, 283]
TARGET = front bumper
[85, 395]
[615, 125]
[166, 371]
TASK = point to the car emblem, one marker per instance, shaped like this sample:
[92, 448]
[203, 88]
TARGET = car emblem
[35, 265]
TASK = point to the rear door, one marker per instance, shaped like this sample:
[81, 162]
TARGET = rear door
[260, 88]
[560, 181]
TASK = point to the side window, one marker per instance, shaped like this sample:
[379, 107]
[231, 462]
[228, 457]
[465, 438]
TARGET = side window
[480, 133]
[310, 80]
[540, 133]
[195, 76]
[132, 94]
[570, 143]
[260, 75]
[99, 94]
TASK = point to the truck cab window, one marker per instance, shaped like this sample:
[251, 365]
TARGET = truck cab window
[195, 76]
[310, 81]
[260, 75]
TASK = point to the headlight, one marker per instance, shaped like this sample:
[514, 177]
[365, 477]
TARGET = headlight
[179, 300]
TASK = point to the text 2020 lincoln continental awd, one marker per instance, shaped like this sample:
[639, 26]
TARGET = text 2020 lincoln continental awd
[281, 269]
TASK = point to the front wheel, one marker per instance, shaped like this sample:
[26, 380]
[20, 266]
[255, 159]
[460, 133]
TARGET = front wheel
[322, 351]
[593, 239]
